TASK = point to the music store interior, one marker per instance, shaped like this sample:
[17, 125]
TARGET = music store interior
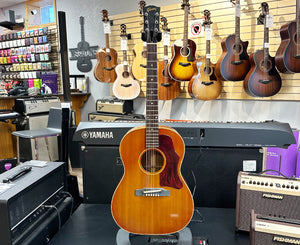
[149, 122]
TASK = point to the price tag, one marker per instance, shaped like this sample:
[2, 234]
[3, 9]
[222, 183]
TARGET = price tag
[207, 56]
[269, 21]
[266, 45]
[166, 38]
[166, 57]
[106, 27]
[123, 44]
[107, 50]
[145, 44]
[238, 10]
[125, 63]
[208, 34]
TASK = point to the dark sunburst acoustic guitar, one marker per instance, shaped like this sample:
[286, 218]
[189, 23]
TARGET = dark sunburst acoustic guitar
[287, 58]
[152, 197]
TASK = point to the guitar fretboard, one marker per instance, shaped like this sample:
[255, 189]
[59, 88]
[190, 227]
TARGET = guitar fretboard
[152, 136]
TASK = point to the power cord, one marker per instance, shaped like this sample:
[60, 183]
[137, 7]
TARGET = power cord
[58, 214]
[72, 201]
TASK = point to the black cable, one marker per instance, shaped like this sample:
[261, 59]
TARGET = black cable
[276, 171]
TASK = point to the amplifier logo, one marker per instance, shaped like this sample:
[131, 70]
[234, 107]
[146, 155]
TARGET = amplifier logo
[272, 196]
[288, 240]
[97, 135]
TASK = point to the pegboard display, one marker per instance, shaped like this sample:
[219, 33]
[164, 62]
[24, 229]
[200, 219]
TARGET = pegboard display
[223, 18]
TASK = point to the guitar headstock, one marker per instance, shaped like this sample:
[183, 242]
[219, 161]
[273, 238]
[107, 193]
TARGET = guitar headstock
[81, 20]
[151, 32]
[142, 4]
[264, 11]
[123, 30]
[185, 5]
[207, 20]
[105, 15]
[164, 24]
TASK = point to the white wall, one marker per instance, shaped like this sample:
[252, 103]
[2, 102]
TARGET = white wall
[217, 110]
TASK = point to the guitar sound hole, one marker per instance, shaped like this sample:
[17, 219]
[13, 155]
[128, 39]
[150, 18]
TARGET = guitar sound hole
[237, 50]
[152, 161]
[266, 67]
[125, 74]
[107, 58]
[208, 70]
[295, 39]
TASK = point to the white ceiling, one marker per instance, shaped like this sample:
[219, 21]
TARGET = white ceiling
[8, 3]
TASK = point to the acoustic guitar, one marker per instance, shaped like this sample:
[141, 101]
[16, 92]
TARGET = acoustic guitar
[205, 85]
[152, 196]
[104, 70]
[125, 87]
[287, 58]
[181, 67]
[139, 63]
[233, 64]
[84, 64]
[263, 80]
[168, 89]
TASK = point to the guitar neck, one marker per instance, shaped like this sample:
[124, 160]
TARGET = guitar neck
[106, 40]
[207, 59]
[82, 32]
[266, 42]
[125, 65]
[298, 23]
[152, 136]
[185, 31]
[237, 26]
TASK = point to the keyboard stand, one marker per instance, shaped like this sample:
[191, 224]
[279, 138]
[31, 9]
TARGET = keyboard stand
[184, 238]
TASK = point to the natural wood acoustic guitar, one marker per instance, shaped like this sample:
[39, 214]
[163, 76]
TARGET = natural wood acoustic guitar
[152, 197]
[205, 85]
[104, 70]
[125, 87]
[182, 67]
[263, 80]
[233, 64]
[287, 58]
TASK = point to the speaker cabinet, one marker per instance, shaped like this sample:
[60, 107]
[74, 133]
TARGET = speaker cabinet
[271, 196]
[209, 172]
[273, 231]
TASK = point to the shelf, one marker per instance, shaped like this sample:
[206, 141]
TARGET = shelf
[11, 25]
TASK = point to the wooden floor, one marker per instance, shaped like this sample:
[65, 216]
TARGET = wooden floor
[78, 172]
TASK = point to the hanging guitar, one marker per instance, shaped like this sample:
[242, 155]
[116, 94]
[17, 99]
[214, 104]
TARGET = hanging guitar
[84, 64]
[139, 63]
[287, 58]
[233, 64]
[168, 89]
[263, 80]
[205, 85]
[152, 196]
[181, 67]
[125, 87]
[104, 70]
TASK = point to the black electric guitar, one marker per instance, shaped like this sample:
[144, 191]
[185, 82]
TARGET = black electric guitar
[84, 64]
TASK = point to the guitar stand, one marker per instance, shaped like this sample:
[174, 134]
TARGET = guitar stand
[183, 237]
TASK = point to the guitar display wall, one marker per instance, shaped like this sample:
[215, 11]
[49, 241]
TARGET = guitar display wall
[223, 18]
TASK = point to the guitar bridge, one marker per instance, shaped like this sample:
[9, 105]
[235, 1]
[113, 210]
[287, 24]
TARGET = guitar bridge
[238, 62]
[184, 64]
[152, 192]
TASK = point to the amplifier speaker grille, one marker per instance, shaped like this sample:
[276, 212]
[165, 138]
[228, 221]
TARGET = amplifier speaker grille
[288, 207]
[263, 239]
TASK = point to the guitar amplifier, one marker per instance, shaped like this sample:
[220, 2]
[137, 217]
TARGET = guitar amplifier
[111, 117]
[273, 196]
[114, 106]
[267, 230]
[23, 192]
[36, 105]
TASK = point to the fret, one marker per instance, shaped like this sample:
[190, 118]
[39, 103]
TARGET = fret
[125, 61]
[237, 29]
[106, 40]
[266, 43]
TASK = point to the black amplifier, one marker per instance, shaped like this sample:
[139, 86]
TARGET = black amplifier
[23, 191]
[270, 230]
[273, 196]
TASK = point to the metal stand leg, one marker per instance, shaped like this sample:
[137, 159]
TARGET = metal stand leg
[184, 237]
[36, 149]
[18, 151]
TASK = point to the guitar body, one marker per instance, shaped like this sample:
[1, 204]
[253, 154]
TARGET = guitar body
[168, 89]
[139, 63]
[227, 68]
[151, 215]
[285, 59]
[259, 81]
[181, 67]
[84, 64]
[104, 70]
[125, 87]
[205, 85]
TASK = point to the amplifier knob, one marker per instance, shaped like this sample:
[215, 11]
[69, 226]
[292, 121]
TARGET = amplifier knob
[271, 184]
[283, 186]
[296, 187]
[266, 184]
[254, 182]
[288, 186]
[250, 182]
[258, 183]
[292, 187]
